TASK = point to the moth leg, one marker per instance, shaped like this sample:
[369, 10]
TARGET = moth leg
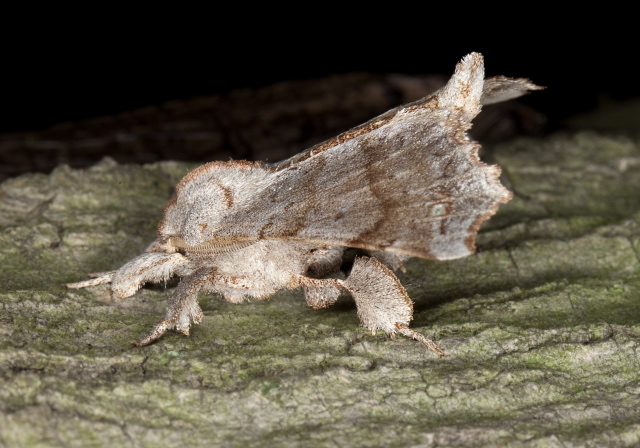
[325, 260]
[149, 267]
[321, 293]
[382, 301]
[408, 332]
[97, 278]
[182, 308]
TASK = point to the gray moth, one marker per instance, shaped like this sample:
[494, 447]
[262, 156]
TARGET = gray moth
[407, 183]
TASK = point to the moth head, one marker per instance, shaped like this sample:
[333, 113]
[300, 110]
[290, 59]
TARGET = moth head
[204, 198]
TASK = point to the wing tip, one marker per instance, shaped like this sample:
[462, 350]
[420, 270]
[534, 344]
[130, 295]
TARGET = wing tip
[464, 90]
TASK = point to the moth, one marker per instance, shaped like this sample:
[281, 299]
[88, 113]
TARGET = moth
[408, 183]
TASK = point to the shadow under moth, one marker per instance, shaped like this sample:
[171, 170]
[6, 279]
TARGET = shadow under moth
[408, 183]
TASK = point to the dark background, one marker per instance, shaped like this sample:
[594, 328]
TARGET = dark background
[61, 73]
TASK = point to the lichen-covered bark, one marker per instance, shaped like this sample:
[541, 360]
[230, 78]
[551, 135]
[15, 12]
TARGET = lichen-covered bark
[541, 326]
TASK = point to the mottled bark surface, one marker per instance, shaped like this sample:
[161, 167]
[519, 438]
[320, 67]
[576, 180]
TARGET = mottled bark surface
[541, 326]
[270, 123]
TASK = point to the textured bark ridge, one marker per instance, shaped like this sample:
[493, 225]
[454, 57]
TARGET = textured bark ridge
[541, 325]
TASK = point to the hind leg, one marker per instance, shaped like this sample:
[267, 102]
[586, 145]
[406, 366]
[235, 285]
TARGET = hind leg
[383, 303]
[321, 293]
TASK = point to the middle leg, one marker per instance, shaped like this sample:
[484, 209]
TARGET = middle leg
[182, 308]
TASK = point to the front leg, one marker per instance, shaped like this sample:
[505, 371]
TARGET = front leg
[149, 267]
